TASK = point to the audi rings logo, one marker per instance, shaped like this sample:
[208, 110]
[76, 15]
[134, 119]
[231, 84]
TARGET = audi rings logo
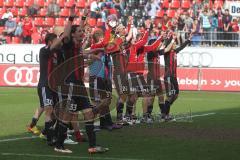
[21, 76]
[195, 59]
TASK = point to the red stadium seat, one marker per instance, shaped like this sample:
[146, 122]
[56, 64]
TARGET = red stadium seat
[46, 3]
[40, 3]
[160, 13]
[28, 3]
[171, 13]
[43, 12]
[99, 22]
[69, 3]
[81, 3]
[38, 21]
[64, 12]
[19, 3]
[2, 11]
[92, 22]
[59, 21]
[218, 4]
[16, 40]
[60, 3]
[49, 21]
[8, 39]
[22, 11]
[1, 3]
[14, 11]
[175, 4]
[36, 37]
[165, 4]
[1, 29]
[8, 3]
[186, 4]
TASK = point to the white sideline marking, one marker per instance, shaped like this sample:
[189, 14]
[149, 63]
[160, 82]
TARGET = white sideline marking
[196, 115]
[16, 139]
[69, 157]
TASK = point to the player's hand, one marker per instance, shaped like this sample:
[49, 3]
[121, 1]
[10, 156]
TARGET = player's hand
[190, 36]
[72, 11]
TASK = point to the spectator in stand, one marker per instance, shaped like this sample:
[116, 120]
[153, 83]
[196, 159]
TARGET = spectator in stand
[10, 26]
[214, 26]
[27, 30]
[33, 9]
[206, 27]
[18, 30]
[196, 30]
[151, 8]
[103, 12]
[235, 29]
[95, 9]
[120, 5]
[53, 9]
[220, 27]
[180, 29]
[227, 19]
[5, 16]
[196, 7]
[166, 21]
[188, 24]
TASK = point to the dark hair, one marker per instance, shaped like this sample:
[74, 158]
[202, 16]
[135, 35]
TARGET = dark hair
[74, 28]
[50, 37]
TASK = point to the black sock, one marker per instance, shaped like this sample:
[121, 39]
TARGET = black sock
[162, 108]
[44, 131]
[149, 109]
[91, 134]
[129, 109]
[62, 134]
[49, 130]
[70, 127]
[120, 107]
[167, 107]
[102, 121]
[34, 122]
[56, 129]
[108, 119]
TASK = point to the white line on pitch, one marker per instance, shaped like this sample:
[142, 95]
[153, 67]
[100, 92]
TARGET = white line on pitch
[16, 139]
[67, 157]
[196, 115]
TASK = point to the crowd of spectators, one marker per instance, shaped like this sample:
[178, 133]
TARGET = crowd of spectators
[210, 22]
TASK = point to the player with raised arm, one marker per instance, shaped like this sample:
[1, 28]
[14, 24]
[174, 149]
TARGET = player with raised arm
[170, 76]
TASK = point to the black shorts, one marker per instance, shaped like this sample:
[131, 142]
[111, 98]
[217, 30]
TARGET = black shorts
[154, 85]
[121, 83]
[137, 84]
[171, 85]
[99, 88]
[75, 99]
[45, 96]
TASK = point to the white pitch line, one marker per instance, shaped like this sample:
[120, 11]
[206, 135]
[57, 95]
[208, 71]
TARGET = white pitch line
[67, 157]
[196, 115]
[16, 139]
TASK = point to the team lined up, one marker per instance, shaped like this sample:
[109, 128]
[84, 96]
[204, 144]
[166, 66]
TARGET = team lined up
[115, 54]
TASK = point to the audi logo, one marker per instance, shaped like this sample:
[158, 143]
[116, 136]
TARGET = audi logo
[195, 59]
[21, 76]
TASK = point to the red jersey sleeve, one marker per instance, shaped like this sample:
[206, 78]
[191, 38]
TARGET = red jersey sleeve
[104, 42]
[143, 40]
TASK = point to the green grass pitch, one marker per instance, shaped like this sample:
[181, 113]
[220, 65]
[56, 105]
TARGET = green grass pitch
[204, 137]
